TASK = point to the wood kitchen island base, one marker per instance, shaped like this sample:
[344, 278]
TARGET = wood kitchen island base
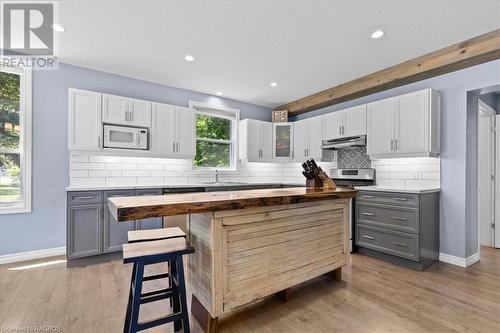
[244, 255]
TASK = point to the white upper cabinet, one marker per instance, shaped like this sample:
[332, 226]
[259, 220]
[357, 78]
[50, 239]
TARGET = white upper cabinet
[405, 126]
[307, 137]
[115, 109]
[345, 123]
[283, 141]
[140, 112]
[84, 120]
[332, 125]
[255, 140]
[173, 131]
[126, 111]
[354, 121]
[380, 131]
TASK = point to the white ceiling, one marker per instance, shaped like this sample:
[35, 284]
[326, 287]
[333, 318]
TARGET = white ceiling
[242, 46]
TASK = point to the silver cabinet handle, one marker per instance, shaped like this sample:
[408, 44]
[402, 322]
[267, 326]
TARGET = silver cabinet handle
[401, 199]
[368, 237]
[368, 196]
[343, 130]
[178, 147]
[307, 152]
[98, 142]
[400, 218]
[173, 147]
[396, 144]
[131, 115]
[400, 244]
[86, 198]
[340, 130]
[368, 214]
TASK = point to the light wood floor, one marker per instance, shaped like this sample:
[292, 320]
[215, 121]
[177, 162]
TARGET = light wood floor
[374, 296]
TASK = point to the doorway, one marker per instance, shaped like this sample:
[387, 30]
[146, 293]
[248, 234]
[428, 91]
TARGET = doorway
[486, 169]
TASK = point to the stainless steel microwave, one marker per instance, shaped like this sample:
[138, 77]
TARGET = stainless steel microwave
[124, 137]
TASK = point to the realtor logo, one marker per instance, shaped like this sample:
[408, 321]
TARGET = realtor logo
[27, 29]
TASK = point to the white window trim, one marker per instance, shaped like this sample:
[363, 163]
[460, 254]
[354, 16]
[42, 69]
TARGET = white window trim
[26, 138]
[222, 112]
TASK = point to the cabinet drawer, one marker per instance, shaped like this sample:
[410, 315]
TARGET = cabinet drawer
[84, 198]
[149, 191]
[389, 198]
[395, 243]
[401, 219]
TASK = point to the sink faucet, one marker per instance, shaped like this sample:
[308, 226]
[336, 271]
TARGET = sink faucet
[216, 176]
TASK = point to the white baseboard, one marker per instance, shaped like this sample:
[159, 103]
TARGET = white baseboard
[458, 261]
[15, 257]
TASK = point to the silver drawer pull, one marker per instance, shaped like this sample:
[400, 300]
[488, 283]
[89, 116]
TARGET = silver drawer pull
[400, 218]
[368, 196]
[368, 214]
[401, 199]
[368, 237]
[400, 244]
[85, 198]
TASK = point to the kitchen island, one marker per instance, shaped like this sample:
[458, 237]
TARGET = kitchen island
[253, 243]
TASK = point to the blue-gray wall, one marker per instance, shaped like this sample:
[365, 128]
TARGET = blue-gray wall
[453, 87]
[45, 226]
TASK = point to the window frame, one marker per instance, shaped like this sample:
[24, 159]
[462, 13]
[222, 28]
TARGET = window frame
[221, 112]
[25, 140]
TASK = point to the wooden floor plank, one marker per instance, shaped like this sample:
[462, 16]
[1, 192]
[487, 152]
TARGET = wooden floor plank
[373, 296]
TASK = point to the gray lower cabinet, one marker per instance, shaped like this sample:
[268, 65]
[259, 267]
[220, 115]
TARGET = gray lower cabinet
[92, 230]
[399, 227]
[152, 223]
[115, 233]
[84, 224]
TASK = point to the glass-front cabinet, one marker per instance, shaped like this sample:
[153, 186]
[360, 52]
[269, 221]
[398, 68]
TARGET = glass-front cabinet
[283, 141]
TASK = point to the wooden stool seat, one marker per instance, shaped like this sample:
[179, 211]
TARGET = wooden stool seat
[154, 234]
[151, 252]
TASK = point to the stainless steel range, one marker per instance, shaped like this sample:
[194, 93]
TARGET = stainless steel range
[353, 178]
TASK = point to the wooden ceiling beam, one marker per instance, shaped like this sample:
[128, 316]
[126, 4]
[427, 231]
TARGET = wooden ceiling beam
[468, 53]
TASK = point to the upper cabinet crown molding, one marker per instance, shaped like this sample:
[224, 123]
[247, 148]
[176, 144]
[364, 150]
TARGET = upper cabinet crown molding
[405, 126]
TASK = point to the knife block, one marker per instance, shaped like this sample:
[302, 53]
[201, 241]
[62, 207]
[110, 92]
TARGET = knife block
[314, 184]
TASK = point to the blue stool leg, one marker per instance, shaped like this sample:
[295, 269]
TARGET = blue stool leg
[126, 326]
[175, 297]
[134, 317]
[182, 293]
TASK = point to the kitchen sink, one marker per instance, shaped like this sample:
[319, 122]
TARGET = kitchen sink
[224, 183]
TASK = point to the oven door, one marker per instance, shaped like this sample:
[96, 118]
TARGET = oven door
[121, 137]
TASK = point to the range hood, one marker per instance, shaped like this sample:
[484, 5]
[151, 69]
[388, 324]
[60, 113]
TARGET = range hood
[352, 141]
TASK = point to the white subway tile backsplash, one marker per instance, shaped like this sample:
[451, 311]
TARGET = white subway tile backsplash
[409, 172]
[88, 181]
[78, 173]
[130, 181]
[97, 173]
[79, 158]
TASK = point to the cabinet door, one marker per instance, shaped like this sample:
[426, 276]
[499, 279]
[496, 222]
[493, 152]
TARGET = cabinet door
[164, 129]
[266, 140]
[301, 140]
[283, 141]
[140, 113]
[412, 123]
[354, 121]
[151, 223]
[315, 138]
[115, 109]
[185, 132]
[251, 139]
[85, 127]
[115, 233]
[84, 230]
[332, 125]
[380, 127]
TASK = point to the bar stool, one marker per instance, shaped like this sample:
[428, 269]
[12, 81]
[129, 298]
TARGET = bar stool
[142, 254]
[154, 234]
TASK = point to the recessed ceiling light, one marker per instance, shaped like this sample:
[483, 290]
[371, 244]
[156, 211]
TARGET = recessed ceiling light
[273, 84]
[58, 28]
[189, 57]
[219, 93]
[377, 34]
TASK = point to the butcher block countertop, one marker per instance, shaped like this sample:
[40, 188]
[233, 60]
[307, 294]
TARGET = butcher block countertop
[140, 207]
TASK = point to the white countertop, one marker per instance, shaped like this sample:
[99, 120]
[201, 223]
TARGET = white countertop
[137, 187]
[382, 188]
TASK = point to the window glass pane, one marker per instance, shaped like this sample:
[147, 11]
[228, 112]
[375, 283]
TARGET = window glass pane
[10, 178]
[9, 110]
[212, 155]
[213, 127]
